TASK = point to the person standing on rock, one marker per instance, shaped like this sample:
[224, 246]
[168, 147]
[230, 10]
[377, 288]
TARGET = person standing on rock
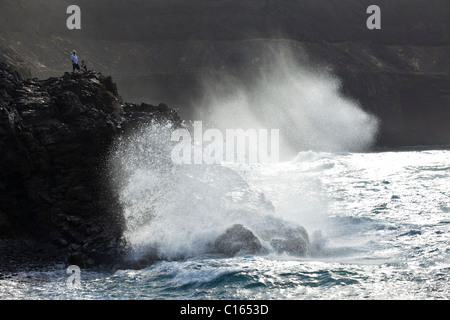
[74, 60]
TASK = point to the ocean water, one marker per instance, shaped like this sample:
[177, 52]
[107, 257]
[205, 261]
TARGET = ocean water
[378, 223]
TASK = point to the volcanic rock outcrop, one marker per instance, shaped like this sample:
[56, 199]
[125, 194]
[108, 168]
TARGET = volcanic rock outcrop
[54, 135]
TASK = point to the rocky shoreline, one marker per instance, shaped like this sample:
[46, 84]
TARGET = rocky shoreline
[54, 135]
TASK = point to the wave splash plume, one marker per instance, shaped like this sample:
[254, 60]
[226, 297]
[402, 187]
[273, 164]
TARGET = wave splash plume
[285, 92]
[178, 211]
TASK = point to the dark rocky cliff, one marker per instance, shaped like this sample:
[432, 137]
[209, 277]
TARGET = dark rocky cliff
[54, 136]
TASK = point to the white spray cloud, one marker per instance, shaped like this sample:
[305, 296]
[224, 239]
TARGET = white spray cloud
[304, 103]
[176, 209]
[181, 209]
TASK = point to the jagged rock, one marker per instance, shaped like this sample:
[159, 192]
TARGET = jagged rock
[54, 135]
[237, 239]
[136, 261]
[295, 243]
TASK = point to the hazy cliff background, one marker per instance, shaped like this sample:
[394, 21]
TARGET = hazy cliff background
[163, 50]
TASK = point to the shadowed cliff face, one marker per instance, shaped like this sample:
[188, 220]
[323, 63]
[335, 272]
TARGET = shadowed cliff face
[163, 50]
[54, 135]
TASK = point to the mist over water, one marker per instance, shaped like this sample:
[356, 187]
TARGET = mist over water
[178, 211]
[303, 102]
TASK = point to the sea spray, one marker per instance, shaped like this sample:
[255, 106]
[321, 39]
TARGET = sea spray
[177, 211]
[304, 102]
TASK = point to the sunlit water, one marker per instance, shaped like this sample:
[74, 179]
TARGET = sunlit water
[379, 221]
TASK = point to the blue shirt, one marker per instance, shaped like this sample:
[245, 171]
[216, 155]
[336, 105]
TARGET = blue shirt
[74, 59]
